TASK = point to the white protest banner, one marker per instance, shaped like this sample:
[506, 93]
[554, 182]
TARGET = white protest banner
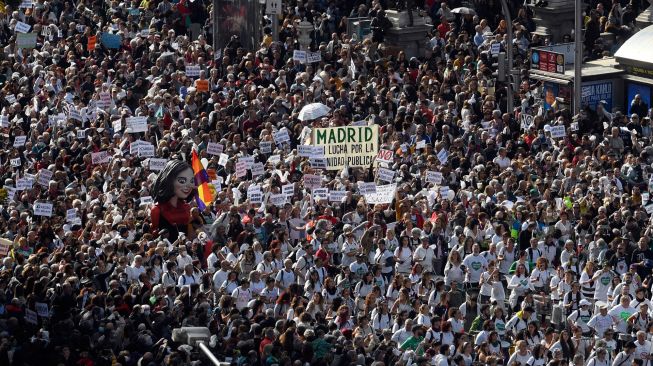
[137, 124]
[193, 70]
[337, 196]
[385, 156]
[266, 147]
[71, 214]
[495, 48]
[15, 162]
[433, 177]
[42, 309]
[30, 317]
[444, 192]
[288, 189]
[320, 194]
[384, 194]
[557, 131]
[443, 156]
[224, 158]
[420, 144]
[281, 136]
[257, 169]
[81, 134]
[44, 177]
[105, 100]
[146, 200]
[5, 246]
[43, 209]
[313, 57]
[574, 126]
[146, 151]
[248, 160]
[20, 141]
[312, 181]
[353, 146]
[300, 56]
[214, 148]
[217, 186]
[26, 40]
[74, 114]
[274, 159]
[26, 4]
[278, 199]
[305, 151]
[253, 188]
[134, 146]
[24, 184]
[255, 197]
[11, 193]
[156, 164]
[10, 98]
[22, 27]
[526, 120]
[117, 125]
[100, 157]
[318, 163]
[4, 121]
[367, 187]
[241, 169]
[386, 175]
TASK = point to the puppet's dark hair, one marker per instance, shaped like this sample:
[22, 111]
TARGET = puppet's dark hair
[163, 187]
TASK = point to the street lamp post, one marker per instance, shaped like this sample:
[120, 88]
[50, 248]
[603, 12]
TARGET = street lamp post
[509, 51]
[578, 58]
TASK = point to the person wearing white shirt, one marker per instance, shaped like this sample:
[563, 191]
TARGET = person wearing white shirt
[349, 249]
[136, 269]
[601, 321]
[381, 259]
[581, 317]
[507, 256]
[540, 276]
[643, 347]
[620, 315]
[475, 264]
[626, 356]
[600, 358]
[286, 276]
[424, 254]
[187, 278]
[221, 275]
[213, 260]
[602, 280]
[242, 294]
[266, 267]
[270, 293]
[403, 333]
[183, 258]
[502, 159]
[521, 354]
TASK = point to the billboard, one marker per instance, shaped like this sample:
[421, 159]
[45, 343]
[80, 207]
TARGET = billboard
[594, 92]
[548, 61]
[643, 90]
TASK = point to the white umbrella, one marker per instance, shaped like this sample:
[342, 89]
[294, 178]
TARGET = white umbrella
[313, 111]
[464, 10]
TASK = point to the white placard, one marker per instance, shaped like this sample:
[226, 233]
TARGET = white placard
[11, 192]
[444, 191]
[318, 163]
[433, 177]
[81, 134]
[22, 27]
[248, 160]
[44, 178]
[43, 209]
[214, 148]
[157, 164]
[257, 169]
[557, 131]
[282, 136]
[146, 151]
[421, 144]
[320, 194]
[71, 214]
[300, 56]
[42, 309]
[495, 48]
[100, 157]
[367, 187]
[15, 162]
[10, 98]
[386, 175]
[255, 198]
[337, 196]
[526, 120]
[253, 188]
[117, 125]
[241, 169]
[4, 121]
[443, 156]
[266, 147]
[74, 114]
[20, 141]
[574, 126]
[24, 184]
[313, 57]
[384, 194]
[193, 70]
[385, 156]
[137, 124]
[288, 189]
[146, 200]
[274, 159]
[105, 100]
[30, 317]
[224, 158]
[278, 199]
[312, 181]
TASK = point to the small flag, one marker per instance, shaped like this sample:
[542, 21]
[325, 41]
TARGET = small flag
[92, 40]
[204, 194]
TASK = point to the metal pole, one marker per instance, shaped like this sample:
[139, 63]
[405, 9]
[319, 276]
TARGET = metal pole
[506, 14]
[215, 25]
[275, 27]
[207, 352]
[578, 59]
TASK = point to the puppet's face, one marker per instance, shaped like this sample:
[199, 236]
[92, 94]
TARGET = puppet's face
[184, 184]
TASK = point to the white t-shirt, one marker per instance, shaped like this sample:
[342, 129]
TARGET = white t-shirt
[475, 264]
[621, 315]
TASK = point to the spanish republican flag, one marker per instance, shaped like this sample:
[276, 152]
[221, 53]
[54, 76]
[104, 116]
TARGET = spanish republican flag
[204, 195]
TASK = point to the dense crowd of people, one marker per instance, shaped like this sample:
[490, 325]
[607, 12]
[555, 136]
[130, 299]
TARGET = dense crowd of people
[529, 248]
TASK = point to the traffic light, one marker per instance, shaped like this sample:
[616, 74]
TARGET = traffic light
[500, 66]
